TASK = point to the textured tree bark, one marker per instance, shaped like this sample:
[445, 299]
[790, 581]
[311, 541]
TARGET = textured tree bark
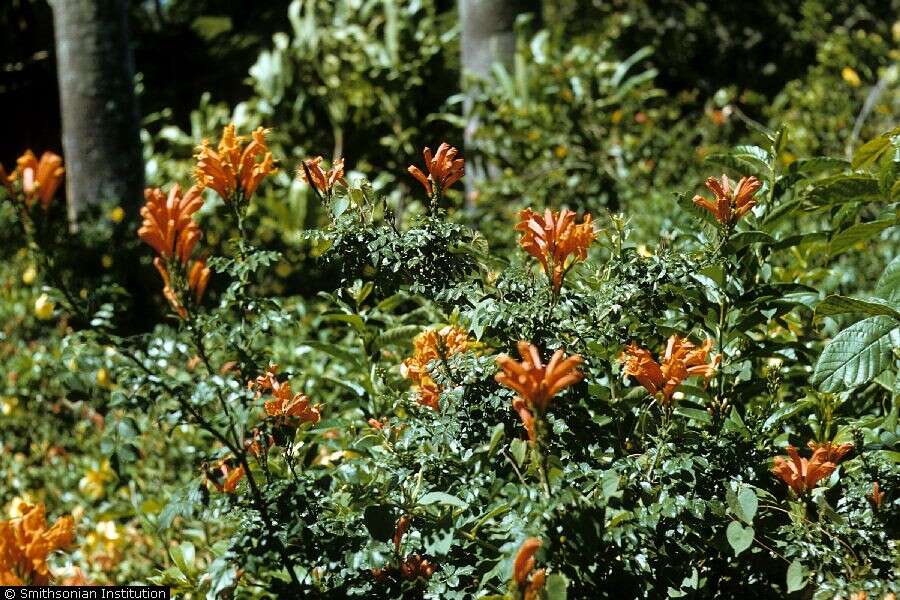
[488, 37]
[101, 138]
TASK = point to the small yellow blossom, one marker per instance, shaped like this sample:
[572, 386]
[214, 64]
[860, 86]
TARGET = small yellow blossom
[851, 77]
[94, 482]
[7, 405]
[117, 215]
[107, 261]
[29, 275]
[44, 307]
[103, 378]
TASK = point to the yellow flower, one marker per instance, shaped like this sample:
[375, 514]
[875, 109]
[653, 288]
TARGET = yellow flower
[851, 77]
[29, 275]
[94, 482]
[103, 378]
[7, 405]
[44, 307]
[107, 261]
[561, 151]
[117, 215]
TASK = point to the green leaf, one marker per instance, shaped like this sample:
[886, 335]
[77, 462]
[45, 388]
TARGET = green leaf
[748, 502]
[441, 498]
[693, 413]
[855, 234]
[787, 411]
[857, 354]
[888, 286]
[796, 577]
[842, 189]
[869, 152]
[518, 448]
[739, 537]
[555, 587]
[843, 305]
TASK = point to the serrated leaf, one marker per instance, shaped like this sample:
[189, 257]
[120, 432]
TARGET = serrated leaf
[796, 577]
[844, 305]
[855, 234]
[441, 498]
[739, 537]
[857, 354]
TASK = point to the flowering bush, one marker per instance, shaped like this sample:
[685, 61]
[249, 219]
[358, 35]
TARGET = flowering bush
[380, 439]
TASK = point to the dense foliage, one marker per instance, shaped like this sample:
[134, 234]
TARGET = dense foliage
[596, 377]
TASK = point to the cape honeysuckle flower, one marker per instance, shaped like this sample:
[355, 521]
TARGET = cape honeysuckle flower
[26, 542]
[234, 168]
[428, 346]
[876, 497]
[833, 453]
[682, 359]
[227, 478]
[323, 181]
[528, 581]
[444, 169]
[285, 405]
[169, 228]
[729, 204]
[555, 240]
[39, 178]
[800, 474]
[534, 383]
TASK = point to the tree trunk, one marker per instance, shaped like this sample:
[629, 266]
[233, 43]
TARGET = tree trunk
[101, 138]
[488, 37]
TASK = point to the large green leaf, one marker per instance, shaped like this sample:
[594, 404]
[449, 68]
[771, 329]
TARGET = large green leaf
[888, 286]
[857, 354]
[739, 537]
[843, 305]
[861, 232]
[842, 189]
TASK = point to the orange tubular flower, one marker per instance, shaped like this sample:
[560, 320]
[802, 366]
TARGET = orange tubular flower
[555, 241]
[227, 479]
[800, 474]
[39, 178]
[444, 169]
[234, 167]
[682, 359]
[527, 580]
[285, 405]
[535, 383]
[25, 544]
[876, 498]
[169, 228]
[833, 453]
[429, 346]
[323, 181]
[729, 205]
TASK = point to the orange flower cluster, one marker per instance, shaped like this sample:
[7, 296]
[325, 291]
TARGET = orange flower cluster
[169, 228]
[682, 359]
[534, 383]
[429, 346]
[234, 168]
[527, 580]
[729, 205]
[39, 178]
[801, 474]
[324, 181]
[227, 478]
[26, 542]
[555, 240]
[444, 169]
[285, 405]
